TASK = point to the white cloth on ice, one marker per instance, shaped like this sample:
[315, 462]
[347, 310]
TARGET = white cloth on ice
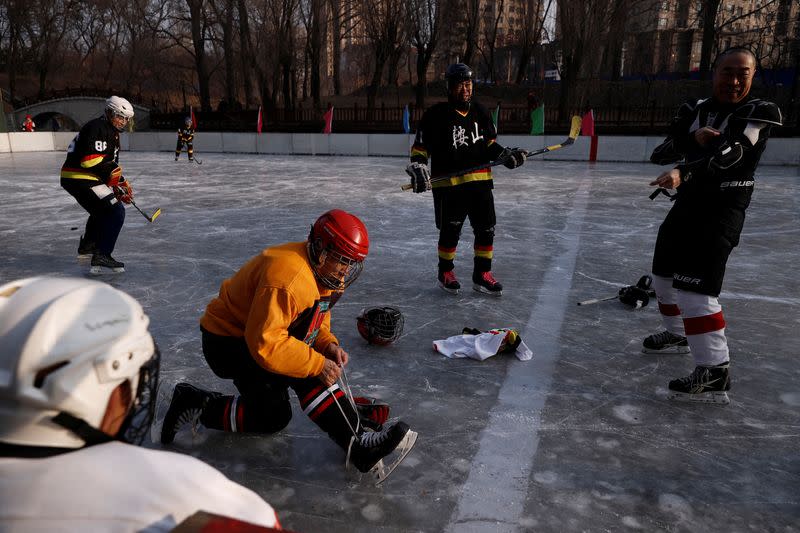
[480, 346]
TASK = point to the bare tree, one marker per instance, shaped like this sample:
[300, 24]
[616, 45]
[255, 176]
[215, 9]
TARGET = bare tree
[384, 30]
[427, 18]
[489, 45]
[530, 32]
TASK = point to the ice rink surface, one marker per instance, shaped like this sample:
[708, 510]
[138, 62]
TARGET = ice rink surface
[580, 438]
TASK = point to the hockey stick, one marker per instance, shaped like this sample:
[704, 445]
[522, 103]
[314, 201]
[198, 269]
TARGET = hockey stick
[150, 218]
[574, 130]
[598, 300]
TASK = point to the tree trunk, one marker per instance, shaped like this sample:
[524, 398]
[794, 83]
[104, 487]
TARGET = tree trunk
[198, 41]
[710, 8]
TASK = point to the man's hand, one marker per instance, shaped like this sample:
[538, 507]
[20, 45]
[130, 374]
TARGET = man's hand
[705, 135]
[420, 177]
[513, 157]
[124, 192]
[668, 180]
[335, 353]
[330, 373]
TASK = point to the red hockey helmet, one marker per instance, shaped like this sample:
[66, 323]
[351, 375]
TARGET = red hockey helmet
[337, 246]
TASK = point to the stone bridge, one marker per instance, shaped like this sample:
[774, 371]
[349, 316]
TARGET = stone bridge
[69, 114]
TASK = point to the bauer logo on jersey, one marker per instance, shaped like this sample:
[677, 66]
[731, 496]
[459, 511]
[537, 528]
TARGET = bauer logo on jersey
[740, 183]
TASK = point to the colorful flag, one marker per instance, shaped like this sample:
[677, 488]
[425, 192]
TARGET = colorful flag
[194, 120]
[587, 123]
[328, 117]
[495, 114]
[537, 121]
[406, 120]
[260, 122]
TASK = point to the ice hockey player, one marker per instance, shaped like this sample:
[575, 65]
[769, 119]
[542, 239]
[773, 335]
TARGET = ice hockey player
[269, 330]
[185, 138]
[455, 135]
[91, 174]
[717, 143]
[79, 374]
[28, 124]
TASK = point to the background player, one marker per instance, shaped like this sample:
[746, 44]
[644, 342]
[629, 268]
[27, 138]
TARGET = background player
[92, 175]
[80, 371]
[719, 141]
[269, 330]
[185, 138]
[455, 135]
[28, 124]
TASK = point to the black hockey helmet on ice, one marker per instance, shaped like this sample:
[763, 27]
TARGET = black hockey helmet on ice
[380, 325]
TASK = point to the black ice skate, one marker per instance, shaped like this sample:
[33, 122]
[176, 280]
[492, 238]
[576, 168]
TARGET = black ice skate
[665, 342]
[707, 384]
[368, 450]
[86, 248]
[185, 408]
[484, 282]
[448, 282]
[105, 263]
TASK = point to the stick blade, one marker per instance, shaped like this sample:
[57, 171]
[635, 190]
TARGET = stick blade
[575, 127]
[155, 215]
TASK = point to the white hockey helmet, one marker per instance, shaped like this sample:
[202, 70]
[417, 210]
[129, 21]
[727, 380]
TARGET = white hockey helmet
[119, 106]
[65, 345]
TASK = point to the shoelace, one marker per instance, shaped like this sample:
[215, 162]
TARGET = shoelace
[697, 378]
[373, 438]
[489, 278]
[190, 416]
[665, 337]
[449, 277]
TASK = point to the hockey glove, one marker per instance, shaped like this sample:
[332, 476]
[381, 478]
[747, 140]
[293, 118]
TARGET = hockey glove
[634, 296]
[372, 412]
[513, 157]
[420, 177]
[115, 177]
[124, 192]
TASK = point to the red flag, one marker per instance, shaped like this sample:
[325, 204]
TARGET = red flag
[587, 124]
[328, 117]
[260, 122]
[194, 120]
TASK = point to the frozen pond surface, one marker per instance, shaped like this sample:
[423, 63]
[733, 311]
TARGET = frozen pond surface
[580, 438]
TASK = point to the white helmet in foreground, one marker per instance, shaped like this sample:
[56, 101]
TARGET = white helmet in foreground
[120, 106]
[65, 345]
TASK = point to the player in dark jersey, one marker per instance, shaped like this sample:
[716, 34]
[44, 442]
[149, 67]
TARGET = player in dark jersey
[185, 138]
[455, 135]
[91, 173]
[717, 143]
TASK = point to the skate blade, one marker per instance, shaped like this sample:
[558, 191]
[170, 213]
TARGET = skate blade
[383, 471]
[97, 270]
[715, 397]
[670, 350]
[445, 289]
[484, 290]
[84, 258]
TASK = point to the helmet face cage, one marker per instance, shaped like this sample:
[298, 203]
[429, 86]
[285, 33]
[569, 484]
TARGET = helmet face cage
[137, 424]
[333, 269]
[381, 325]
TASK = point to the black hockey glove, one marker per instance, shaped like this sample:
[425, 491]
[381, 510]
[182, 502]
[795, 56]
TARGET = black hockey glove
[513, 157]
[633, 296]
[420, 177]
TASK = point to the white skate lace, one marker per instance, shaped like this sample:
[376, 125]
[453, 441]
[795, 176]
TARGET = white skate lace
[665, 337]
[190, 416]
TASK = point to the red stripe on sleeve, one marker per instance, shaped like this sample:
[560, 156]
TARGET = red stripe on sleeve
[669, 309]
[240, 416]
[704, 324]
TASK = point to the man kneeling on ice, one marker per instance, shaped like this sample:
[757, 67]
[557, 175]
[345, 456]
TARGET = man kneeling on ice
[269, 330]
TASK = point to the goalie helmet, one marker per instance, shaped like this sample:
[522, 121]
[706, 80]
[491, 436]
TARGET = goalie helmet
[187, 121]
[65, 345]
[337, 246]
[380, 325]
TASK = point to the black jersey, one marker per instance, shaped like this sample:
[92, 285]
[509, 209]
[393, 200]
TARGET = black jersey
[456, 140]
[186, 135]
[94, 153]
[720, 173]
